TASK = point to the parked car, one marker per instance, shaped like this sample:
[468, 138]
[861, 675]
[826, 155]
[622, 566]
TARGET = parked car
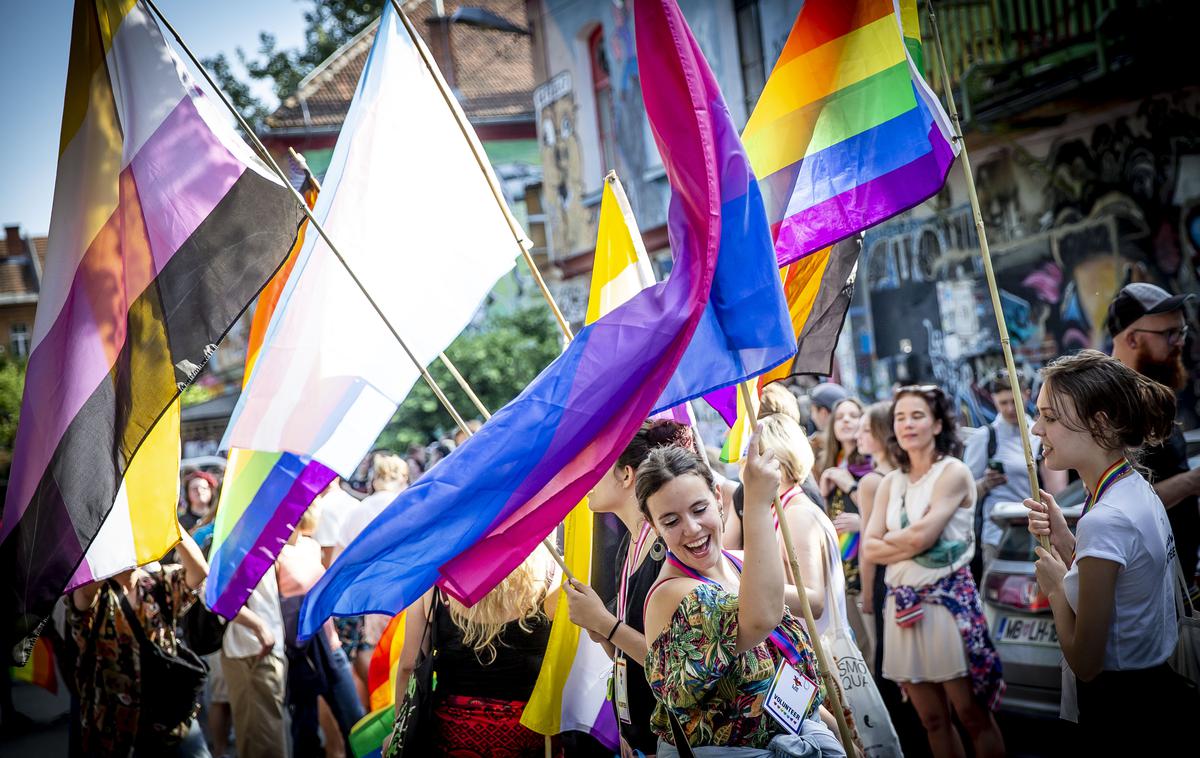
[1017, 612]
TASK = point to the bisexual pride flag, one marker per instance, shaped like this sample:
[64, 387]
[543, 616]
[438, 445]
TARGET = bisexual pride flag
[472, 519]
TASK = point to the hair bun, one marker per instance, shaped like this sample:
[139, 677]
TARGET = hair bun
[663, 432]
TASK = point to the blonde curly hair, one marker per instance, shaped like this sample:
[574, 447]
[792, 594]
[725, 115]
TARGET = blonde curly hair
[522, 592]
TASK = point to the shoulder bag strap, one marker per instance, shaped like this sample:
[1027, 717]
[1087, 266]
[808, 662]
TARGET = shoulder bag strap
[1183, 601]
[991, 445]
[139, 632]
[681, 742]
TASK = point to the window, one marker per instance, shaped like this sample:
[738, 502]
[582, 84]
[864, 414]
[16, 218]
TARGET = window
[602, 91]
[19, 339]
[750, 51]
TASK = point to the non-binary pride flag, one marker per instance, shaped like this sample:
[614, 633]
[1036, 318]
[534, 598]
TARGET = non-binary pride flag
[164, 228]
[473, 518]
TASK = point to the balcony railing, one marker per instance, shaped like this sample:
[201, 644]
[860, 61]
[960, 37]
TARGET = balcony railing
[999, 52]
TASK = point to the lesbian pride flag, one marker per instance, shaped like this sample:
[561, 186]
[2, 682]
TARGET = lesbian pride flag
[475, 516]
[164, 228]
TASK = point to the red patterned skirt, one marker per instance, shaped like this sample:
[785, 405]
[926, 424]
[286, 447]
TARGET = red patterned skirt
[475, 727]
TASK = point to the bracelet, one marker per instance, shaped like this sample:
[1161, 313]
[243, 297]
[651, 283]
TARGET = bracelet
[612, 631]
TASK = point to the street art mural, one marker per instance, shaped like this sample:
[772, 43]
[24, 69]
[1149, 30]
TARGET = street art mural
[1072, 213]
[562, 162]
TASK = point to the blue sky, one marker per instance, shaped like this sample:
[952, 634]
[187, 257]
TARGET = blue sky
[34, 44]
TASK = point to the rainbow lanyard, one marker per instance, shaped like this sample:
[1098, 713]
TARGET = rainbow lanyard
[785, 645]
[1114, 474]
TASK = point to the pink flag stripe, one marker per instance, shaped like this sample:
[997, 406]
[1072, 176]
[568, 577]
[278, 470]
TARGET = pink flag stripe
[161, 204]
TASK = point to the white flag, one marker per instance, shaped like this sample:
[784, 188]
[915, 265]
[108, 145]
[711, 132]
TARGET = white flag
[406, 204]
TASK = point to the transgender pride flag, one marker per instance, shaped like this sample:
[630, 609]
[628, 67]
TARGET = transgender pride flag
[474, 517]
[164, 228]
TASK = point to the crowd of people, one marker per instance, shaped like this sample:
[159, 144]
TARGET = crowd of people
[888, 505]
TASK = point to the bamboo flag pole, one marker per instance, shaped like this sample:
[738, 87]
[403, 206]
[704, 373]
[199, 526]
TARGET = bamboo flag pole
[1014, 382]
[266, 155]
[832, 687]
[523, 242]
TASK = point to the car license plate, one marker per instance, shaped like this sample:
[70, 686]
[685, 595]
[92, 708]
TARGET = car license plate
[1028, 631]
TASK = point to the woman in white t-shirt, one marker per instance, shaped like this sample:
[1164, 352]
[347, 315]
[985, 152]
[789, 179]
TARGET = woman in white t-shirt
[1111, 585]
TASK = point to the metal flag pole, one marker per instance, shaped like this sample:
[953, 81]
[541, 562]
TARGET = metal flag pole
[266, 155]
[1014, 382]
[523, 242]
[832, 687]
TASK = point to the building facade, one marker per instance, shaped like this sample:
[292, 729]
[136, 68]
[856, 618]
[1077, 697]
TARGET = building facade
[1081, 122]
[21, 264]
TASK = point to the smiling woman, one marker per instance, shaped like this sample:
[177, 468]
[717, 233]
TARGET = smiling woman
[1112, 585]
[717, 627]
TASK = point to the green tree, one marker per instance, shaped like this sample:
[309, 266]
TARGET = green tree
[12, 382]
[329, 24]
[498, 361]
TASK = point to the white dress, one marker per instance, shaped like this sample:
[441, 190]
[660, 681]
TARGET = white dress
[931, 650]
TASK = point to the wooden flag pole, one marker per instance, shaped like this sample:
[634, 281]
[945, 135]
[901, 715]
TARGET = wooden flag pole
[523, 242]
[1014, 382]
[266, 155]
[832, 687]
[479, 406]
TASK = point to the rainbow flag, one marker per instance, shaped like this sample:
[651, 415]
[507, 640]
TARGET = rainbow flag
[164, 228]
[367, 736]
[262, 497]
[39, 669]
[381, 672]
[848, 545]
[470, 520]
[846, 133]
[263, 493]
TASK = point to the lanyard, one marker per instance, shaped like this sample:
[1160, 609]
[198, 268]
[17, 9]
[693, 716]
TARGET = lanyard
[627, 570]
[785, 645]
[1114, 474]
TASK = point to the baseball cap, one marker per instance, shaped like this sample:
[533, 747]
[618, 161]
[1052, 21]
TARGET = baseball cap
[827, 394]
[1137, 300]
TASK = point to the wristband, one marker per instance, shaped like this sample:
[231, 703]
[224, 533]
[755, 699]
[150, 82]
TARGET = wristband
[612, 631]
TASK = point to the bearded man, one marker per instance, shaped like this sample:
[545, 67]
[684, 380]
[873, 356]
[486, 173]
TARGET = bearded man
[1148, 329]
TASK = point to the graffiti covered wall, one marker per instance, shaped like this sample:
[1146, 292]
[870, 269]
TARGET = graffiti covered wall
[1072, 212]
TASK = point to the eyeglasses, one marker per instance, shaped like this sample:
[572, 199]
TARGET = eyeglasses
[1174, 336]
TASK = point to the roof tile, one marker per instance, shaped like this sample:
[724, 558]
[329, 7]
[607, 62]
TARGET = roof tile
[494, 71]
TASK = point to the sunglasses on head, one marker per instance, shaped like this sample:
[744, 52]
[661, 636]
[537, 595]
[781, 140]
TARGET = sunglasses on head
[923, 389]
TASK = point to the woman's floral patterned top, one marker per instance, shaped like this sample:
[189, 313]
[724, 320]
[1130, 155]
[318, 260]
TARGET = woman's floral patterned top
[716, 693]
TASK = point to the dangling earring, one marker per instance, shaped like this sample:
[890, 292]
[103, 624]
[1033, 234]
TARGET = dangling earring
[658, 550]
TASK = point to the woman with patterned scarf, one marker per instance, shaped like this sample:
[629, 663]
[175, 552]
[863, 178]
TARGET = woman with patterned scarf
[935, 638]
